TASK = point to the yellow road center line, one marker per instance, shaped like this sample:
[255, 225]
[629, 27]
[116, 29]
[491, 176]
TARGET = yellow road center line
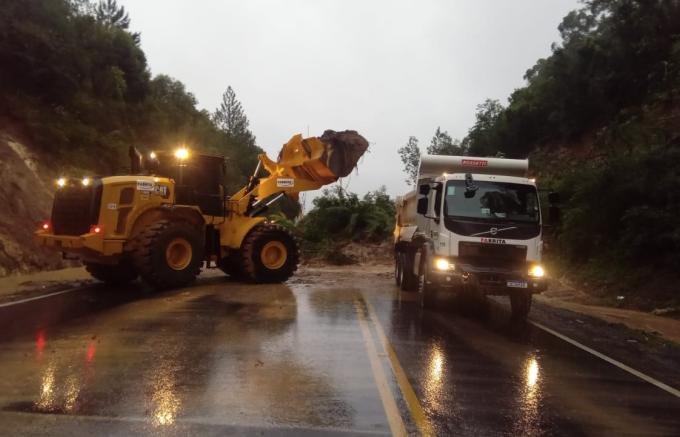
[417, 412]
[389, 404]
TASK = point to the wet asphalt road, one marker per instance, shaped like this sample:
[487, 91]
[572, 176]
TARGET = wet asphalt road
[331, 352]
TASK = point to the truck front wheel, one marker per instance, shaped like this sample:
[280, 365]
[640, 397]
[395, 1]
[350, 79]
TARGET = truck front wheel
[168, 254]
[114, 274]
[520, 304]
[426, 288]
[269, 254]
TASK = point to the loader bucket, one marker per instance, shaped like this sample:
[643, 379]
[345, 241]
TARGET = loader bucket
[322, 159]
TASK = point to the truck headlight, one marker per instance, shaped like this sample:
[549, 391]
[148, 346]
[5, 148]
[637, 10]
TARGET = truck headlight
[536, 271]
[181, 153]
[443, 264]
[61, 182]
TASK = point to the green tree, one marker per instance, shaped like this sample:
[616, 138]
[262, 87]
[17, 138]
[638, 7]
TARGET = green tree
[232, 120]
[410, 157]
[339, 215]
[109, 13]
[443, 144]
[482, 137]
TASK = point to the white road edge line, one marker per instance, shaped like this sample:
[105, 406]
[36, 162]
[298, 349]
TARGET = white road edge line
[665, 387]
[30, 299]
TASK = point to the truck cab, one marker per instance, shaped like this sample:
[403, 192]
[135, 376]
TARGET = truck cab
[471, 225]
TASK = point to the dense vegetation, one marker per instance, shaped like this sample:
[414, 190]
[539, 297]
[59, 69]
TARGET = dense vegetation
[339, 217]
[75, 84]
[601, 120]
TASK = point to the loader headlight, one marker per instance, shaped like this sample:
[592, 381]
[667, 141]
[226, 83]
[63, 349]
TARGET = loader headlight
[536, 271]
[86, 182]
[61, 182]
[181, 154]
[443, 264]
[152, 155]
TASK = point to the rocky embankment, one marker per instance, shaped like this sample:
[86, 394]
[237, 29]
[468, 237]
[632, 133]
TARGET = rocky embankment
[25, 201]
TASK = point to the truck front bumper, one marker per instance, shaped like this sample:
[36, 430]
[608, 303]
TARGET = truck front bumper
[86, 245]
[488, 280]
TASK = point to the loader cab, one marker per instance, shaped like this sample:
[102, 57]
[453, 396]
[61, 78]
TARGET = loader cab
[198, 178]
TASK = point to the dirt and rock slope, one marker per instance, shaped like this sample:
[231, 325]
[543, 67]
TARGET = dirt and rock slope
[25, 199]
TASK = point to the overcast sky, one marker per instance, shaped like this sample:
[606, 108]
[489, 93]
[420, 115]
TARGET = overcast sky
[388, 69]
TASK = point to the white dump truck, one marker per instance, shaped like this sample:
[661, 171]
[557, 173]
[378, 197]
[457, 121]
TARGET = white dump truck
[472, 225]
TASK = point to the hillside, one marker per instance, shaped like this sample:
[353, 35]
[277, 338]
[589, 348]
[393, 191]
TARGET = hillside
[26, 200]
[600, 120]
[75, 93]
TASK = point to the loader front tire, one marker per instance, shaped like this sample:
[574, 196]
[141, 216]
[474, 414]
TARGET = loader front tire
[114, 274]
[168, 254]
[269, 254]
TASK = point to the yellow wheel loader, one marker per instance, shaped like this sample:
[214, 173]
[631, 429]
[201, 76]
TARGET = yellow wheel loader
[170, 217]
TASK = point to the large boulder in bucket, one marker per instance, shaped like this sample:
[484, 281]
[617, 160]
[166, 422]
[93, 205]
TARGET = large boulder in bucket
[343, 150]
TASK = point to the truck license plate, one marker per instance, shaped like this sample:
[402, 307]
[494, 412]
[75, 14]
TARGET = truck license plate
[517, 284]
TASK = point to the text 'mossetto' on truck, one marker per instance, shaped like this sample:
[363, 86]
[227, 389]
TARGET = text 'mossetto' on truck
[472, 225]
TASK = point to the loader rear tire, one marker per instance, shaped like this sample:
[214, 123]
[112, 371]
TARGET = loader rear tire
[269, 254]
[168, 254]
[114, 274]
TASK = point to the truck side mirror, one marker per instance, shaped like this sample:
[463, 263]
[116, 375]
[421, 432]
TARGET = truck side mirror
[422, 205]
[554, 198]
[424, 189]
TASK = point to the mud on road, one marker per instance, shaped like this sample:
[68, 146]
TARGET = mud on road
[333, 351]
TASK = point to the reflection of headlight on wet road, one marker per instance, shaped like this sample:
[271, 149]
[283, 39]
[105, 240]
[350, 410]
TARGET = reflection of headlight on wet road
[532, 372]
[47, 392]
[71, 393]
[436, 365]
[165, 399]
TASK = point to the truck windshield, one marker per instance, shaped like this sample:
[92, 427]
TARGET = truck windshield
[496, 201]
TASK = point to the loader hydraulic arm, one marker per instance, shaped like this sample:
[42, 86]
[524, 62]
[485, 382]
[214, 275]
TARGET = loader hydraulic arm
[303, 165]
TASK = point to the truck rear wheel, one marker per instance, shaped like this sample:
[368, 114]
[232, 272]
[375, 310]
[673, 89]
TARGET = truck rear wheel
[409, 281]
[520, 304]
[269, 254]
[114, 274]
[398, 269]
[168, 254]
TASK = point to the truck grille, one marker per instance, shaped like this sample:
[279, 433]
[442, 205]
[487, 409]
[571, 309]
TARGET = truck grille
[492, 255]
[76, 208]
